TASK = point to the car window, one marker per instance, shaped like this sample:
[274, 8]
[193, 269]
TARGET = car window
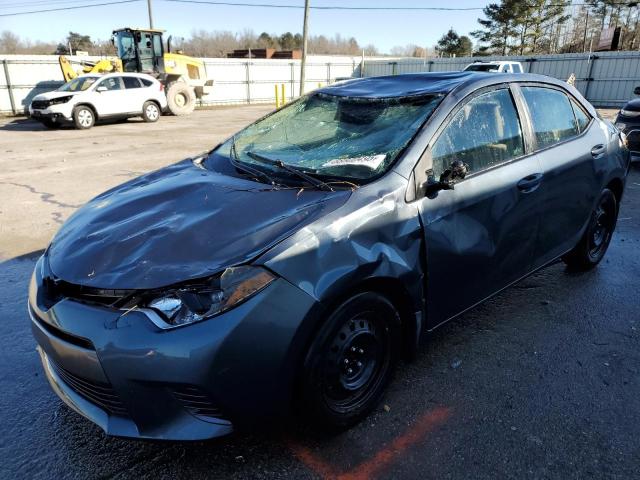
[552, 115]
[581, 116]
[112, 83]
[146, 82]
[131, 82]
[517, 68]
[484, 132]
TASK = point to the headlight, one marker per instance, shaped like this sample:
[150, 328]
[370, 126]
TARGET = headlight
[56, 101]
[183, 306]
[629, 113]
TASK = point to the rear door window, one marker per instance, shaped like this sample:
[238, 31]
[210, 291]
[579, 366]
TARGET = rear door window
[131, 82]
[112, 83]
[517, 68]
[483, 133]
[582, 117]
[552, 115]
[146, 82]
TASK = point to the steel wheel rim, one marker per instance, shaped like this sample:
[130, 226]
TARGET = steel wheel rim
[358, 357]
[85, 117]
[152, 112]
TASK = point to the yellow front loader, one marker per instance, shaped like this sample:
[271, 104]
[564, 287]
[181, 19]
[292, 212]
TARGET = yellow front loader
[143, 51]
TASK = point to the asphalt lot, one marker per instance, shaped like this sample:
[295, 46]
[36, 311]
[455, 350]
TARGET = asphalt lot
[543, 381]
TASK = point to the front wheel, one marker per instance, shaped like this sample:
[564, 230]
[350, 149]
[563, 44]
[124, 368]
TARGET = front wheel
[595, 241]
[351, 361]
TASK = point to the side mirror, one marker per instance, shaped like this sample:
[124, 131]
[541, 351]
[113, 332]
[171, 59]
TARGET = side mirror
[636, 91]
[101, 89]
[457, 171]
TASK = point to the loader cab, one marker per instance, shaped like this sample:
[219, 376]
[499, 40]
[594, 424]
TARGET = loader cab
[140, 50]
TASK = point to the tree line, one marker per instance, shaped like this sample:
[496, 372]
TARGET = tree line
[201, 43]
[508, 27]
[515, 27]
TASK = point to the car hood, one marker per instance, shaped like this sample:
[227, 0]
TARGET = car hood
[179, 223]
[54, 94]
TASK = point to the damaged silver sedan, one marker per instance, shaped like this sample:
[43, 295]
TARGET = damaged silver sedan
[293, 266]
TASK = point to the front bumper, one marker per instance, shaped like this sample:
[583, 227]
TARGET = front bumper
[61, 113]
[195, 382]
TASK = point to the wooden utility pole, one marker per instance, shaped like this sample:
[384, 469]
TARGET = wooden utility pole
[150, 14]
[304, 46]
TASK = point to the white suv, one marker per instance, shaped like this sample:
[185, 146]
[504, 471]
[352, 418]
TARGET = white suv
[88, 98]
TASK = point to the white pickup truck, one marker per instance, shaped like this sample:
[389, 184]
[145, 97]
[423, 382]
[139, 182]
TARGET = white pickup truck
[495, 66]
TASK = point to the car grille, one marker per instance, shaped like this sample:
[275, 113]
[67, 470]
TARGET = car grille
[196, 401]
[55, 290]
[100, 394]
[39, 104]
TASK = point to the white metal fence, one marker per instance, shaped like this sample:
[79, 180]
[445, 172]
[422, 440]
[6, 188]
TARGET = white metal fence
[237, 81]
[605, 79]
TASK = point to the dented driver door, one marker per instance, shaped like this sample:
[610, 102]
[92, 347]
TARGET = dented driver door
[480, 236]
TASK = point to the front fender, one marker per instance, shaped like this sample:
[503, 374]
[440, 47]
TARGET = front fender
[374, 235]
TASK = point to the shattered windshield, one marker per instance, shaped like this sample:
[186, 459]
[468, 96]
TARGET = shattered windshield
[332, 136]
[79, 84]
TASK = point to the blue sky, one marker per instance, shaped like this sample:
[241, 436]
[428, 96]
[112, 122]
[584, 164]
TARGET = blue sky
[384, 29]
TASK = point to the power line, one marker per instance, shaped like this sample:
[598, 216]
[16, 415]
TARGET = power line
[319, 7]
[280, 5]
[68, 8]
[385, 8]
[38, 3]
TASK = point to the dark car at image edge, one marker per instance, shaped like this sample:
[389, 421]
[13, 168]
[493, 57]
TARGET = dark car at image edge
[628, 121]
[295, 265]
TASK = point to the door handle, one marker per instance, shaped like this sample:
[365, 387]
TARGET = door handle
[530, 183]
[598, 151]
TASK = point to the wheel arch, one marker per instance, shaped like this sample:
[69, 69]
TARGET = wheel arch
[616, 185]
[394, 290]
[88, 105]
[153, 100]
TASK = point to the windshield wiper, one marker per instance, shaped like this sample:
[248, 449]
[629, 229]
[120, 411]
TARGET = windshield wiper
[299, 173]
[235, 161]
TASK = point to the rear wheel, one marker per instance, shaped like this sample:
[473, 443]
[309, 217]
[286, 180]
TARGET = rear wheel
[595, 241]
[150, 111]
[181, 99]
[351, 361]
[83, 117]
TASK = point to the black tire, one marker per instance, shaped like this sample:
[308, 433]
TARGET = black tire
[83, 117]
[151, 111]
[181, 99]
[350, 362]
[595, 241]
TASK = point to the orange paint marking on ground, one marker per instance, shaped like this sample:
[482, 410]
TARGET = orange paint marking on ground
[380, 460]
